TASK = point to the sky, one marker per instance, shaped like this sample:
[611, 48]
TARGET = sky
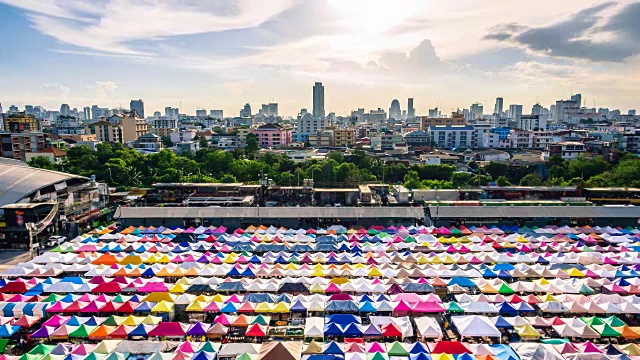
[221, 54]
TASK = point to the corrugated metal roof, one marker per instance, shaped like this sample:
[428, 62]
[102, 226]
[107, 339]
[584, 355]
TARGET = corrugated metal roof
[438, 212]
[274, 212]
[17, 182]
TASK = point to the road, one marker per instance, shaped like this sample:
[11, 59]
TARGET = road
[9, 258]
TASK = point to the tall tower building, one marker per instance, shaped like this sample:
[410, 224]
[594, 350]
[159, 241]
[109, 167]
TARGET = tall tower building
[476, 110]
[497, 109]
[578, 99]
[318, 100]
[65, 110]
[394, 110]
[138, 106]
[515, 112]
[411, 112]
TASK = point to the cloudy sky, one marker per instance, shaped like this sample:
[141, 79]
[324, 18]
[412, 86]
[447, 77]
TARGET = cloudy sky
[223, 53]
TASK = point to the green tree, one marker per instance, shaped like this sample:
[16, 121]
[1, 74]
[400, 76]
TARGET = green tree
[496, 169]
[166, 141]
[203, 142]
[42, 162]
[531, 180]
[503, 181]
[228, 179]
[412, 180]
[252, 147]
[459, 178]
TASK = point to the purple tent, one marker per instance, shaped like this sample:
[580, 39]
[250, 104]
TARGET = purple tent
[43, 332]
[198, 329]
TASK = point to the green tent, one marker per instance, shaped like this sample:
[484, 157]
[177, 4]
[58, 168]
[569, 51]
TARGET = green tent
[117, 356]
[94, 356]
[41, 349]
[555, 341]
[53, 357]
[261, 320]
[121, 298]
[247, 356]
[605, 330]
[397, 350]
[56, 249]
[592, 320]
[82, 331]
[586, 290]
[3, 344]
[455, 231]
[614, 321]
[294, 259]
[453, 307]
[377, 356]
[210, 346]
[110, 321]
[30, 357]
[505, 290]
[53, 298]
[409, 239]
[372, 232]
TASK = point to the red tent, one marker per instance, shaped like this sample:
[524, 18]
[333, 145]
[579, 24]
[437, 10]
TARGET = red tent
[170, 329]
[391, 330]
[14, 287]
[450, 347]
[256, 330]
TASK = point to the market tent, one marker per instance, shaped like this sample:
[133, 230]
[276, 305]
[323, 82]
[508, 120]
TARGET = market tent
[280, 350]
[474, 325]
[428, 328]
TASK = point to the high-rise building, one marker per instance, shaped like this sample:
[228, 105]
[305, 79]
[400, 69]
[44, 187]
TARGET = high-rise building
[537, 109]
[411, 112]
[497, 109]
[318, 100]
[578, 99]
[434, 113]
[245, 111]
[515, 112]
[273, 109]
[632, 112]
[65, 110]
[476, 111]
[564, 108]
[137, 106]
[201, 113]
[216, 114]
[28, 109]
[98, 112]
[86, 112]
[1, 109]
[394, 110]
[172, 113]
[13, 109]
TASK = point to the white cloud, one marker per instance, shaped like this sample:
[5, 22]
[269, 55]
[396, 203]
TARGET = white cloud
[104, 88]
[55, 89]
[113, 25]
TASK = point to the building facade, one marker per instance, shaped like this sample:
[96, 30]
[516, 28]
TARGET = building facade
[451, 136]
[273, 135]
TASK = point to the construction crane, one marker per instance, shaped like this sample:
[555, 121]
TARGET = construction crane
[36, 228]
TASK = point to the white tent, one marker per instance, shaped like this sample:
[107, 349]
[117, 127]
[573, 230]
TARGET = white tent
[473, 325]
[428, 328]
[314, 327]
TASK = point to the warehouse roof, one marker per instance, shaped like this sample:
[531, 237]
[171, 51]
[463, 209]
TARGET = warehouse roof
[439, 212]
[20, 181]
[270, 212]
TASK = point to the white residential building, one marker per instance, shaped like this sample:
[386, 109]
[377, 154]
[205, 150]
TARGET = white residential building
[492, 140]
[568, 150]
[521, 139]
[532, 123]
[459, 136]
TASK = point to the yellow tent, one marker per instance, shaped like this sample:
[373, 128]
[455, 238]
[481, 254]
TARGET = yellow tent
[573, 272]
[526, 331]
[177, 289]
[163, 307]
[152, 320]
[263, 307]
[132, 320]
[197, 306]
[374, 272]
[442, 356]
[159, 296]
[280, 308]
[106, 346]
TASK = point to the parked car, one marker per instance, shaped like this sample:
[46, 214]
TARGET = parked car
[56, 240]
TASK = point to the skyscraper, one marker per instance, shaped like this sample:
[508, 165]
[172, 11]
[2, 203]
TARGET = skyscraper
[578, 99]
[138, 106]
[515, 112]
[536, 109]
[476, 110]
[411, 112]
[273, 109]
[87, 113]
[65, 110]
[497, 109]
[394, 110]
[318, 100]
[246, 110]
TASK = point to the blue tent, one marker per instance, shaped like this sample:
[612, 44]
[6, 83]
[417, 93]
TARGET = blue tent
[367, 307]
[504, 352]
[501, 322]
[298, 306]
[524, 307]
[419, 348]
[353, 330]
[204, 355]
[342, 319]
[332, 329]
[342, 306]
[8, 330]
[420, 356]
[332, 348]
[506, 309]
[229, 308]
[141, 330]
[461, 281]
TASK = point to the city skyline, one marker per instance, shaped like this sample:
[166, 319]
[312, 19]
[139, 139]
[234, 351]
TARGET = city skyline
[84, 54]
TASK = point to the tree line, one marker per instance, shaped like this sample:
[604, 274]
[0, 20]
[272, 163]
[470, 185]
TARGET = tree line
[124, 168]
